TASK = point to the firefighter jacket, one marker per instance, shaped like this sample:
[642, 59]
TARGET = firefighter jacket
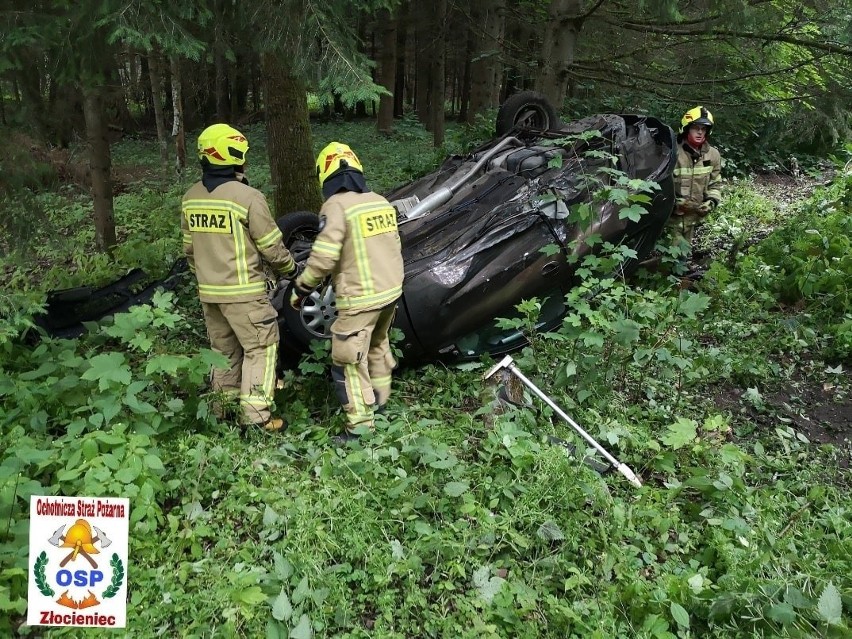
[698, 174]
[227, 235]
[359, 247]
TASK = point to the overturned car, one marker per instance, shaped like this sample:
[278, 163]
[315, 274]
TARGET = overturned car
[508, 222]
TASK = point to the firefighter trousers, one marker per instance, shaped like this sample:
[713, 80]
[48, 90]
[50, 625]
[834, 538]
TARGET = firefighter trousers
[682, 227]
[362, 363]
[247, 334]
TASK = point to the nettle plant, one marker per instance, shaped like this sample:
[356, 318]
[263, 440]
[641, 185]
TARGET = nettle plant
[84, 417]
[710, 543]
[616, 336]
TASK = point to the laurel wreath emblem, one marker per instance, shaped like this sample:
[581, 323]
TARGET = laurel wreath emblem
[40, 578]
[117, 576]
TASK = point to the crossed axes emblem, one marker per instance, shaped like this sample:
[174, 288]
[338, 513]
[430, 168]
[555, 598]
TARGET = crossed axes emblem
[78, 542]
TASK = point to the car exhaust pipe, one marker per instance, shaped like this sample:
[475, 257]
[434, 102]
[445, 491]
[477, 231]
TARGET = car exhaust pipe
[445, 192]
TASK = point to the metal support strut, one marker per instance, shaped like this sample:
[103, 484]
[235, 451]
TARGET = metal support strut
[509, 364]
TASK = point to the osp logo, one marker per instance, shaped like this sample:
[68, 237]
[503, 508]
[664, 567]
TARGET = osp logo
[79, 569]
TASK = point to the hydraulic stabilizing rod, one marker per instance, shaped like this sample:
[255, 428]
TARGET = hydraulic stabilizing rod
[509, 364]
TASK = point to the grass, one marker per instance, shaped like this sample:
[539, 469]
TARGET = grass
[458, 518]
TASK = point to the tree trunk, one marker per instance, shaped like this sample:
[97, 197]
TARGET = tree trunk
[99, 165]
[288, 138]
[464, 90]
[157, 97]
[237, 83]
[488, 23]
[145, 88]
[437, 86]
[256, 82]
[220, 63]
[32, 100]
[557, 51]
[387, 71]
[399, 93]
[178, 132]
[424, 38]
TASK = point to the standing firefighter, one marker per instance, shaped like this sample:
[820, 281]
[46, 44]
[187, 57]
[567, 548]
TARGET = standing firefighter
[697, 175]
[228, 234]
[358, 246]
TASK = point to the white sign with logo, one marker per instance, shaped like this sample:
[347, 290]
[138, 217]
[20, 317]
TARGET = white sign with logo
[78, 561]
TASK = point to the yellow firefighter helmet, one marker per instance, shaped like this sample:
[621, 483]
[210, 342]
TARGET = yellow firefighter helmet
[333, 157]
[79, 537]
[696, 115]
[222, 145]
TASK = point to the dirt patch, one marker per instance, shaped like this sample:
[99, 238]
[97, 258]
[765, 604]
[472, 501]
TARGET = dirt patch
[45, 167]
[819, 410]
[786, 189]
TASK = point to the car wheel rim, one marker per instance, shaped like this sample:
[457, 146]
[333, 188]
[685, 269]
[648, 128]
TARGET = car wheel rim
[532, 118]
[319, 312]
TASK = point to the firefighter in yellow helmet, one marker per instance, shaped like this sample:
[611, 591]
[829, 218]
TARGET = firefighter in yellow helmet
[228, 237]
[697, 175]
[358, 246]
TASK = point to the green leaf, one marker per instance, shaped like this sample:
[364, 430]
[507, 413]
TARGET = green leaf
[303, 630]
[487, 586]
[154, 463]
[634, 212]
[723, 606]
[168, 364]
[691, 304]
[626, 331]
[456, 488]
[107, 368]
[696, 583]
[444, 464]
[829, 605]
[69, 473]
[42, 371]
[270, 517]
[251, 596]
[680, 433]
[796, 598]
[275, 630]
[127, 475]
[301, 592]
[282, 610]
[138, 406]
[680, 615]
[283, 567]
[550, 531]
[782, 613]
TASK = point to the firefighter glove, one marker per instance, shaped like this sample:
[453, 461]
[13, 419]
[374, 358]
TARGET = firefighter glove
[297, 300]
[706, 207]
[299, 294]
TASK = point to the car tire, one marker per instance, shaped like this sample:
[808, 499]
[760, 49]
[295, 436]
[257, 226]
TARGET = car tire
[299, 230]
[529, 110]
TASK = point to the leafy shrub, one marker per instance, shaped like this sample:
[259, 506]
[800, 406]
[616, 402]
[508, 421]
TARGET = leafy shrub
[811, 259]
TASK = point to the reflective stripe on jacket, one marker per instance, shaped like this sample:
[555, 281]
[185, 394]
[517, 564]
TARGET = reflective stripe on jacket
[698, 174]
[359, 246]
[227, 235]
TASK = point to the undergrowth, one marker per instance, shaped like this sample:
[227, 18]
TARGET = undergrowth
[459, 518]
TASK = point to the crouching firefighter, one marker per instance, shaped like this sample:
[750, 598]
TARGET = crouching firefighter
[228, 235]
[358, 245]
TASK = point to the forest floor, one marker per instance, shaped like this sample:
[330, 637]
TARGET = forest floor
[821, 411]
